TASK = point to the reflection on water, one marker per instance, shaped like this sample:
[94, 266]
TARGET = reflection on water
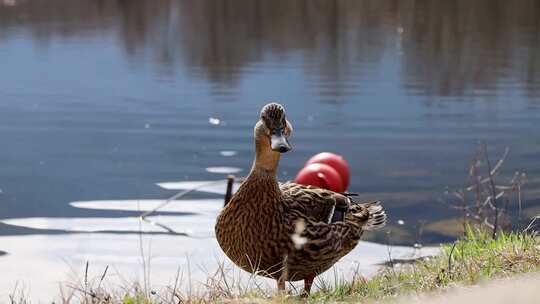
[444, 49]
[101, 99]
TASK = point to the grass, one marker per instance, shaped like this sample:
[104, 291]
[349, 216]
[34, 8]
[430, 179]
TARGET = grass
[474, 258]
[470, 260]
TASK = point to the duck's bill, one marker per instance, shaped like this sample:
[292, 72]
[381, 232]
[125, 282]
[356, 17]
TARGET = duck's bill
[280, 143]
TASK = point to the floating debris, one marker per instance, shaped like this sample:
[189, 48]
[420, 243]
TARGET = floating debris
[214, 121]
[223, 170]
[147, 126]
[401, 222]
[228, 153]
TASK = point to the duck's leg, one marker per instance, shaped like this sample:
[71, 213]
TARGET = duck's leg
[281, 285]
[308, 281]
[283, 276]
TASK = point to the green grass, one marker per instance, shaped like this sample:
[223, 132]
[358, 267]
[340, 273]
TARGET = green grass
[472, 259]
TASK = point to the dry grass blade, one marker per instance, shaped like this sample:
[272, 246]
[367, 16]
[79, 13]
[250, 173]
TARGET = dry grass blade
[532, 223]
[86, 278]
[103, 276]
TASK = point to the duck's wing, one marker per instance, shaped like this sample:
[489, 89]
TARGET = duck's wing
[319, 205]
[332, 223]
[320, 242]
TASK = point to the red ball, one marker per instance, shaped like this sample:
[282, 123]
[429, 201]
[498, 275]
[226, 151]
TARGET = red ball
[335, 161]
[320, 175]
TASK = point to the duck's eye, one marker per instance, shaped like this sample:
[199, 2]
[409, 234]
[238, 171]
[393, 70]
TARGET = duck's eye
[277, 132]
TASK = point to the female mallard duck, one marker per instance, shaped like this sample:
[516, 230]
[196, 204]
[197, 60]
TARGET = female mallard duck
[287, 231]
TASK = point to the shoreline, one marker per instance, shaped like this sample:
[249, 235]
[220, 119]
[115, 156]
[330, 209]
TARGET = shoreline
[61, 259]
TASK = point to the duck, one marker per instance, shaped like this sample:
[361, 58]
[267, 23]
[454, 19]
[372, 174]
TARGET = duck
[289, 231]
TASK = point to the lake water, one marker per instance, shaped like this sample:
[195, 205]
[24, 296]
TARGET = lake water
[101, 100]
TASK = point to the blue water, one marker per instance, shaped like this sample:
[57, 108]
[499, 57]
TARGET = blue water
[101, 99]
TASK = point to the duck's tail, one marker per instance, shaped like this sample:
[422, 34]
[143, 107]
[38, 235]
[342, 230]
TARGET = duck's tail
[377, 216]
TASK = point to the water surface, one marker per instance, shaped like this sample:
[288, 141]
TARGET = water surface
[101, 100]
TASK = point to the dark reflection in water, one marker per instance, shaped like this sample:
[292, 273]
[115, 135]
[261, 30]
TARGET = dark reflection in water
[449, 48]
[403, 89]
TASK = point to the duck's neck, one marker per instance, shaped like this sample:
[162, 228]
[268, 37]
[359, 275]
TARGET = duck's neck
[265, 165]
[266, 159]
[260, 187]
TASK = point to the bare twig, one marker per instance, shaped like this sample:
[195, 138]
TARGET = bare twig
[480, 201]
[144, 216]
[498, 165]
[493, 190]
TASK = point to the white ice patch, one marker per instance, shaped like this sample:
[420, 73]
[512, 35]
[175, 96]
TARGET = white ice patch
[223, 170]
[195, 225]
[208, 206]
[217, 187]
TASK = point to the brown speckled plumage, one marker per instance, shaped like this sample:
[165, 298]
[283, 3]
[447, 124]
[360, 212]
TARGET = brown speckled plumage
[288, 231]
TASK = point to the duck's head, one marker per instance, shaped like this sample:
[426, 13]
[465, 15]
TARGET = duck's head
[275, 127]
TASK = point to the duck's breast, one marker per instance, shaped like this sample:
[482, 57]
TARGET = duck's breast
[252, 237]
